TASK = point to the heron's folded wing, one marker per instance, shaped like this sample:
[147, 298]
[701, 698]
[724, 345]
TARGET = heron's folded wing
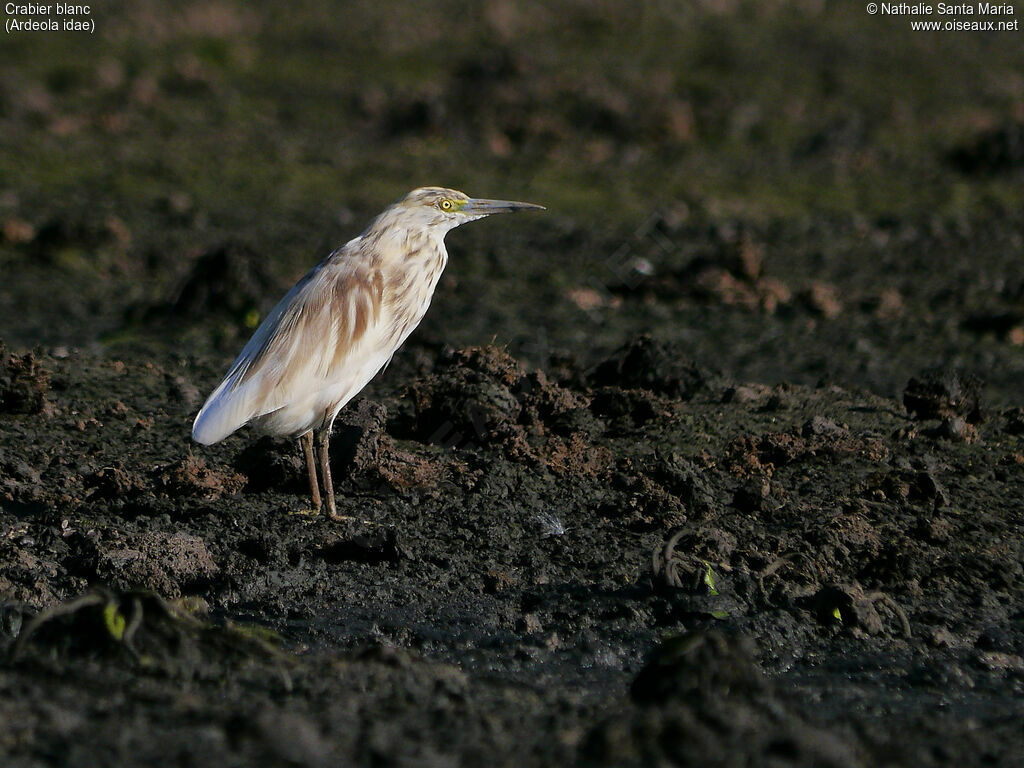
[301, 347]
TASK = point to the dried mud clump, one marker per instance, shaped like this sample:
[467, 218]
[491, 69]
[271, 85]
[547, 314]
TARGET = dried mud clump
[273, 463]
[701, 699]
[945, 394]
[470, 400]
[358, 439]
[751, 455]
[731, 274]
[661, 491]
[19, 479]
[191, 477]
[167, 563]
[29, 574]
[365, 456]
[656, 366]
[23, 382]
[482, 397]
[115, 482]
[575, 456]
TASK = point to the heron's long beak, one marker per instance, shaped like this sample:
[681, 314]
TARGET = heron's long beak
[479, 207]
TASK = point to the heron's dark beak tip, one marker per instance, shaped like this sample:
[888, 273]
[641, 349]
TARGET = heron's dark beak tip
[487, 207]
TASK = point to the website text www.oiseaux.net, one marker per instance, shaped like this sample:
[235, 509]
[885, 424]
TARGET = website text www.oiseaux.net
[952, 17]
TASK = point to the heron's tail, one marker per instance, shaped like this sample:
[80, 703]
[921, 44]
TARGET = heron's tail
[221, 415]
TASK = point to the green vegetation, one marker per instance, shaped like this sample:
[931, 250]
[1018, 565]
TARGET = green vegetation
[257, 113]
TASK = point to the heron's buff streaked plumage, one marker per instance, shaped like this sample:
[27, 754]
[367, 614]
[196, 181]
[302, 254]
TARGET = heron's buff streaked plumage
[353, 310]
[340, 325]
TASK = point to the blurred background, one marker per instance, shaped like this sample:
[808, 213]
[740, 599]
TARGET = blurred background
[792, 191]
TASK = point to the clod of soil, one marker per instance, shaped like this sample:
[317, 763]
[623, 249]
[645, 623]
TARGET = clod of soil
[733, 274]
[700, 699]
[168, 564]
[945, 394]
[645, 363]
[23, 382]
[481, 396]
[191, 477]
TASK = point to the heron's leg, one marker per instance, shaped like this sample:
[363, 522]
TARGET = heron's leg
[323, 442]
[306, 441]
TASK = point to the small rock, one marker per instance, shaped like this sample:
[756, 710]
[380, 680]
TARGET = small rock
[820, 425]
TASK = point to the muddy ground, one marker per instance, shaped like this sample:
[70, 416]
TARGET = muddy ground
[719, 461]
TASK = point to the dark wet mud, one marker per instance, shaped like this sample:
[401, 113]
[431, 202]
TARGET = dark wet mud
[718, 462]
[677, 568]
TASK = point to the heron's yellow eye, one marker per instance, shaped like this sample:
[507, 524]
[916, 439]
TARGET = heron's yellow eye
[446, 205]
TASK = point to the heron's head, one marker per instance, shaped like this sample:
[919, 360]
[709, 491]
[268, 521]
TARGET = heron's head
[444, 209]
